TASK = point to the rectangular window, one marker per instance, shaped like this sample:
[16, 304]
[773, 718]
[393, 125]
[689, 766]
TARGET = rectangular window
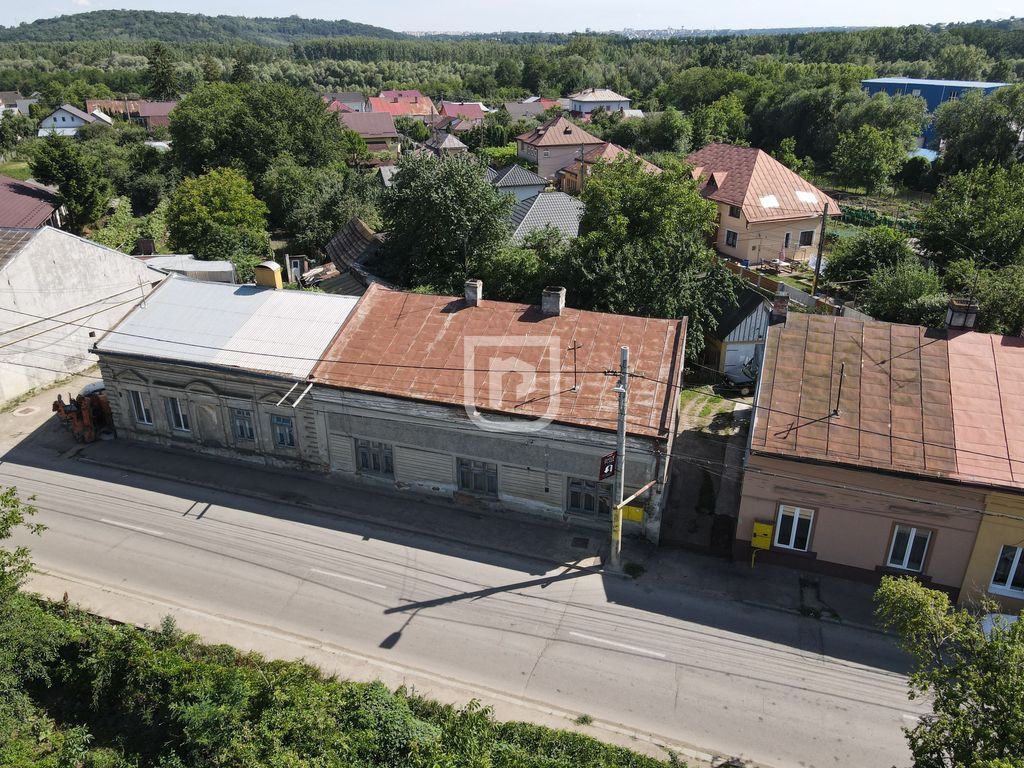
[734, 211]
[908, 548]
[177, 414]
[140, 409]
[730, 238]
[1009, 575]
[547, 153]
[241, 418]
[376, 458]
[789, 237]
[478, 476]
[793, 527]
[283, 428]
[589, 498]
[806, 237]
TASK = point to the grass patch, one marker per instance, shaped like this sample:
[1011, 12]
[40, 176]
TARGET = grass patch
[583, 719]
[16, 169]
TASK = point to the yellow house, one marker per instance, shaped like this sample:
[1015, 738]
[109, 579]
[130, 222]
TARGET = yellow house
[996, 567]
[765, 210]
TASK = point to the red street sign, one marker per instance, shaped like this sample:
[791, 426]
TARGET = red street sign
[608, 465]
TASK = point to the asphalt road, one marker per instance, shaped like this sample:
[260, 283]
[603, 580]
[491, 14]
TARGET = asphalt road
[771, 687]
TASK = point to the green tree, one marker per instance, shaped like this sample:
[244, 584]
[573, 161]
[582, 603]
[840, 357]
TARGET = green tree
[867, 158]
[786, 154]
[210, 69]
[977, 212]
[724, 120]
[81, 184]
[905, 292]
[443, 220]
[972, 679]
[854, 258]
[999, 293]
[15, 128]
[15, 564]
[247, 126]
[643, 249]
[413, 128]
[217, 216]
[160, 76]
[981, 129]
[962, 62]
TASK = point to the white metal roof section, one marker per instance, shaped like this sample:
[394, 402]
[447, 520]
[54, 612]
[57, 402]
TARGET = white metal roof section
[769, 201]
[236, 326]
[805, 197]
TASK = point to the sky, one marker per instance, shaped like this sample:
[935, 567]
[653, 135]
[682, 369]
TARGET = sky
[557, 16]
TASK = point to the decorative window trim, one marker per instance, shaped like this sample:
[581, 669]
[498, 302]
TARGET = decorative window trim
[279, 422]
[178, 415]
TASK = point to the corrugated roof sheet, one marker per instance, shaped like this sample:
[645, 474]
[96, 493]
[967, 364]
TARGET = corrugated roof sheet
[556, 209]
[182, 262]
[25, 203]
[928, 402]
[517, 176]
[414, 346]
[470, 110]
[758, 183]
[234, 326]
[12, 241]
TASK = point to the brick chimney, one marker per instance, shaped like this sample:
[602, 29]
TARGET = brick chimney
[780, 307]
[552, 300]
[474, 292]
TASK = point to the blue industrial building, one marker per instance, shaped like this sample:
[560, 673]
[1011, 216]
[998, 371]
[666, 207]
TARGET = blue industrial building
[934, 92]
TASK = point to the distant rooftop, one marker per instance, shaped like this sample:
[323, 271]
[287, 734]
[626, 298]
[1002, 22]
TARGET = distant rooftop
[942, 83]
[234, 326]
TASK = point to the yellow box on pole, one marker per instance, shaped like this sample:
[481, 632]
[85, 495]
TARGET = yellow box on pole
[633, 514]
[761, 538]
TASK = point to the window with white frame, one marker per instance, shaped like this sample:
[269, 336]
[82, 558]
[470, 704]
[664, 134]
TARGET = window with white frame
[283, 428]
[241, 420]
[177, 414]
[807, 237]
[908, 548]
[1009, 575]
[140, 408]
[589, 498]
[731, 238]
[793, 527]
[376, 458]
[478, 476]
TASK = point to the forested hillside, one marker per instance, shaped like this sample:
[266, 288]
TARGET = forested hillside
[183, 27]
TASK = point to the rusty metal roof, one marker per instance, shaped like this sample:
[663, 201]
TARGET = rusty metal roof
[755, 181]
[558, 132]
[928, 402]
[441, 349]
[25, 203]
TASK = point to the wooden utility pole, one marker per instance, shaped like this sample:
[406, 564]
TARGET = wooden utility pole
[821, 248]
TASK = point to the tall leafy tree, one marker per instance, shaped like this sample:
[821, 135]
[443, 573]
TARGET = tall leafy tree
[443, 219]
[643, 249]
[977, 214]
[905, 292]
[962, 62]
[724, 120]
[855, 258]
[217, 216]
[79, 176]
[160, 75]
[972, 678]
[978, 129]
[999, 293]
[868, 158]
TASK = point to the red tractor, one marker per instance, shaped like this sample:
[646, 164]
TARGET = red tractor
[87, 415]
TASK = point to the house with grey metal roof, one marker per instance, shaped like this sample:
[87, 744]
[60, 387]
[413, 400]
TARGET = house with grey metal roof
[518, 181]
[56, 289]
[221, 368]
[546, 209]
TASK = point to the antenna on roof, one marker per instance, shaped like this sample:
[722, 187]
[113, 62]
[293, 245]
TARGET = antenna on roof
[839, 394]
[572, 348]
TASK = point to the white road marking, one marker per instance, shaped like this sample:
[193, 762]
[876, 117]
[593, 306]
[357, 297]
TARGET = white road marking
[348, 578]
[131, 527]
[625, 647]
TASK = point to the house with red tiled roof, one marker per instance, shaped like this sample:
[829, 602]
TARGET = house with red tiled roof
[553, 145]
[879, 448]
[572, 177]
[412, 104]
[765, 210]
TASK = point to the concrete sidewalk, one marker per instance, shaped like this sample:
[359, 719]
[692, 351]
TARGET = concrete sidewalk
[547, 541]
